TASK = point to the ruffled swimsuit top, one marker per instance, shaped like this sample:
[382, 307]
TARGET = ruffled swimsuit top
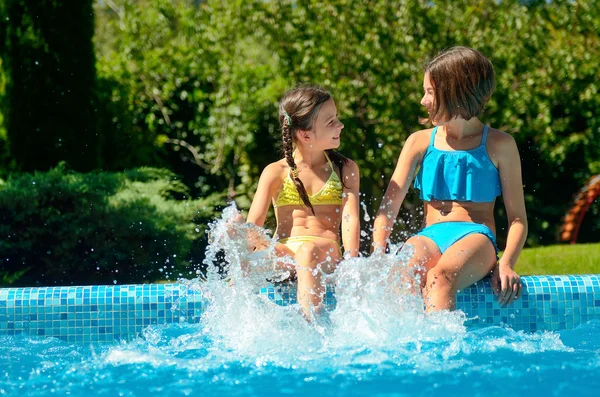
[330, 193]
[458, 175]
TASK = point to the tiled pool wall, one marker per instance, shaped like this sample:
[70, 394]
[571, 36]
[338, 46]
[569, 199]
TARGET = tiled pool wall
[121, 312]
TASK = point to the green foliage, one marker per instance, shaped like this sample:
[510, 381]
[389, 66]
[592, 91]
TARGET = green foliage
[193, 86]
[63, 227]
[48, 57]
[210, 76]
[370, 55]
[156, 74]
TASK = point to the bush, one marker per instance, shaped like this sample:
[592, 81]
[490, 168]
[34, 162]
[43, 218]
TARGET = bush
[61, 227]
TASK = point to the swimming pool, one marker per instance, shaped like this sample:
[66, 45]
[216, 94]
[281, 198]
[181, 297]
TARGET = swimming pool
[242, 337]
[187, 339]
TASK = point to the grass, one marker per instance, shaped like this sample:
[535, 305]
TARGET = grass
[560, 259]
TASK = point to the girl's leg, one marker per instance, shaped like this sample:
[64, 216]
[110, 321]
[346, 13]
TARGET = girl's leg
[425, 256]
[313, 258]
[285, 266]
[465, 262]
[281, 251]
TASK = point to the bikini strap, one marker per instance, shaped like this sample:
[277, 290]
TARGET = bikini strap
[484, 136]
[329, 161]
[432, 139]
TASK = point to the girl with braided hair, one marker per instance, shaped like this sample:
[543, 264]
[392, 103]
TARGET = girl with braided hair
[314, 191]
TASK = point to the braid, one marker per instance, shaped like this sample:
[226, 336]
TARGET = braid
[288, 151]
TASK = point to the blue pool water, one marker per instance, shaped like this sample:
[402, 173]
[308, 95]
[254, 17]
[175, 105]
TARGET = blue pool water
[181, 360]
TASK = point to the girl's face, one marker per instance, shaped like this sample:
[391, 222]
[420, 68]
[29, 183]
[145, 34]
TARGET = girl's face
[327, 129]
[428, 100]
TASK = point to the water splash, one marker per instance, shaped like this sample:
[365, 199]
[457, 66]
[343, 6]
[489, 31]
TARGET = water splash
[378, 322]
[379, 314]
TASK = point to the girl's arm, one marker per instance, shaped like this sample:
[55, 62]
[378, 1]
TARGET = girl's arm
[394, 195]
[268, 184]
[350, 209]
[505, 280]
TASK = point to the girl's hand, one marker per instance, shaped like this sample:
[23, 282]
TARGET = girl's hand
[231, 230]
[377, 248]
[506, 284]
[238, 219]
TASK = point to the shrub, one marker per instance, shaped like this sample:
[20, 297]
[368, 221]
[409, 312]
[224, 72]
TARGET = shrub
[61, 227]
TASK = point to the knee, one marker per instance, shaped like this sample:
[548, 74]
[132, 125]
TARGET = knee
[441, 277]
[418, 267]
[308, 252]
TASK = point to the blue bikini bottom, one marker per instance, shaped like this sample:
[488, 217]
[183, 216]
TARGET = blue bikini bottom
[447, 233]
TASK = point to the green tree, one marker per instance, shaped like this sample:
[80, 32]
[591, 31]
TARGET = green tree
[49, 108]
[201, 82]
[193, 87]
[370, 55]
[3, 138]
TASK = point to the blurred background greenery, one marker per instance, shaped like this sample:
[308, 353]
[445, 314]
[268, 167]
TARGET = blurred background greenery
[126, 125]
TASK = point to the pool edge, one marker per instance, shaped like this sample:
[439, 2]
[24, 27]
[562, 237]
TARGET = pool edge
[120, 312]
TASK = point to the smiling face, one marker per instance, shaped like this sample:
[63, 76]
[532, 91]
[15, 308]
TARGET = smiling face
[327, 128]
[428, 100]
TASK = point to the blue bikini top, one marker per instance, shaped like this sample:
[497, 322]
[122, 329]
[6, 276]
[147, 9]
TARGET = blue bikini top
[458, 175]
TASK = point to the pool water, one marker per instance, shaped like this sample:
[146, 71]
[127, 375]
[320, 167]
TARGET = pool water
[186, 360]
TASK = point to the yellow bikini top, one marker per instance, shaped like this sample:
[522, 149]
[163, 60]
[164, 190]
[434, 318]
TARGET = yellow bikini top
[330, 193]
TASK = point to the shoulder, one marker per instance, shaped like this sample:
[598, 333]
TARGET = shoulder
[417, 142]
[350, 166]
[502, 149]
[500, 142]
[342, 163]
[275, 172]
[419, 138]
[350, 174]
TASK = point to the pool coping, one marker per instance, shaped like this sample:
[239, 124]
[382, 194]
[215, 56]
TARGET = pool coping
[107, 313]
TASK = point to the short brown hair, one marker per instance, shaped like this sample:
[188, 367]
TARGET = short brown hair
[463, 79]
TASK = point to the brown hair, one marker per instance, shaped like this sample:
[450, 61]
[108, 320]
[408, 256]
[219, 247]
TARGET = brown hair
[463, 79]
[302, 106]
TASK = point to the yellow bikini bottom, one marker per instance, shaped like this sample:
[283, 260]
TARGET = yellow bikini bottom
[294, 243]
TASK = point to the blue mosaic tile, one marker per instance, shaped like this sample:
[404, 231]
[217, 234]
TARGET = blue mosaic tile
[95, 313]
[108, 313]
